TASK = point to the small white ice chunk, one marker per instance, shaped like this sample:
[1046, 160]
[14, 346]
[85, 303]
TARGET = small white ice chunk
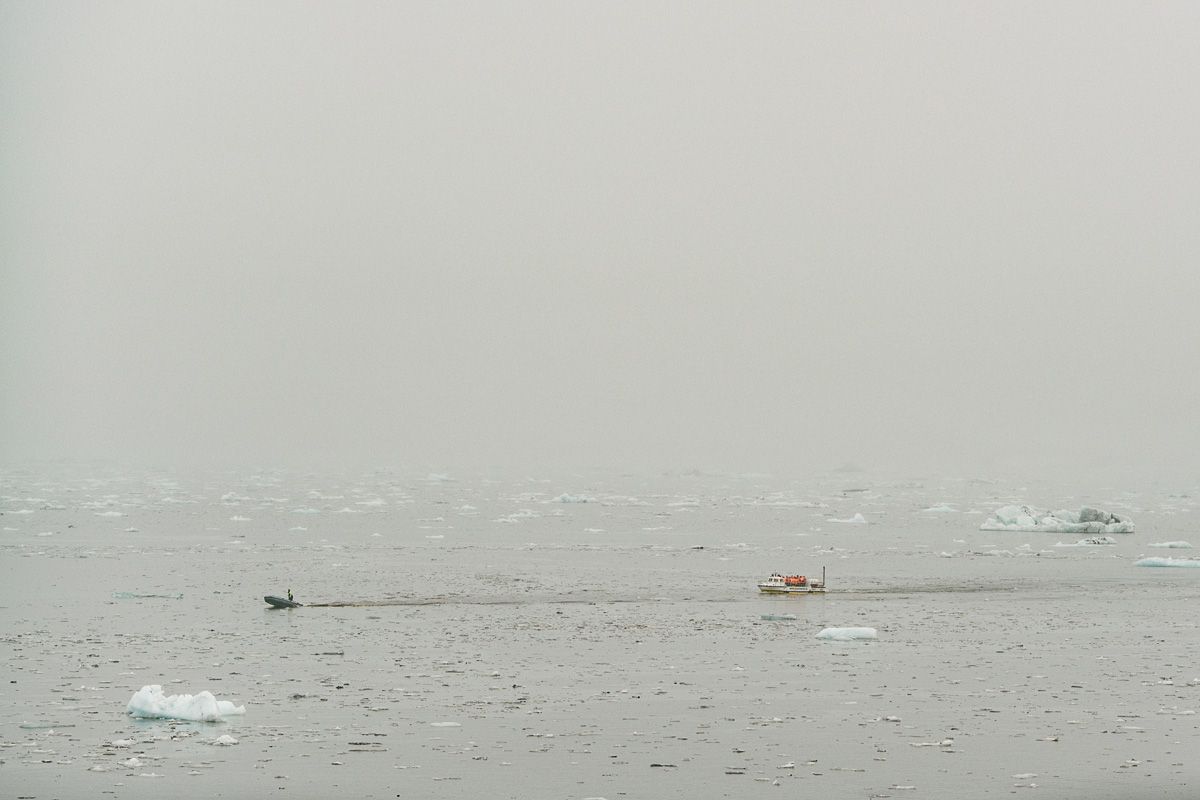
[149, 702]
[857, 519]
[847, 634]
[1091, 541]
[566, 497]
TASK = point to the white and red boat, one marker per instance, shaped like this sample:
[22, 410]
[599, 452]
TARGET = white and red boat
[792, 584]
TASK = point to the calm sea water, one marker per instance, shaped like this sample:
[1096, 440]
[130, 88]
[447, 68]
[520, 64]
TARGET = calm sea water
[577, 636]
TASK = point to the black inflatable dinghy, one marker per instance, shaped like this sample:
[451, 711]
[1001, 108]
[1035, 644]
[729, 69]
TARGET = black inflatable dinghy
[281, 602]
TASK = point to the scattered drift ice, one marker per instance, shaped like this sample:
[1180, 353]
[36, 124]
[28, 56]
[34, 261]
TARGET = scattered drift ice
[847, 634]
[149, 702]
[1168, 562]
[857, 519]
[1172, 545]
[1035, 520]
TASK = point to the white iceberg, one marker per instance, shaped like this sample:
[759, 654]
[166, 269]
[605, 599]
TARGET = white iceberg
[1034, 520]
[857, 519]
[149, 702]
[1172, 545]
[1168, 562]
[847, 634]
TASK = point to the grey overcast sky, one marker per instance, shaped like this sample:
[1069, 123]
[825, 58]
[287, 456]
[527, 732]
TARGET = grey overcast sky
[948, 236]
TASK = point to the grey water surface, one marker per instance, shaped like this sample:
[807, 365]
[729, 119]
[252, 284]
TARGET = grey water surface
[584, 636]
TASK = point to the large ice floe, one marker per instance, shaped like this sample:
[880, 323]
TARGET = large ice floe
[1035, 520]
[149, 702]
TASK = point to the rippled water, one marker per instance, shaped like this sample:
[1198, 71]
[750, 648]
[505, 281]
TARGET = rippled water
[590, 636]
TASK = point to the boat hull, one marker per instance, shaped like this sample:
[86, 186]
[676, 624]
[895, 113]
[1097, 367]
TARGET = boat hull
[281, 602]
[791, 589]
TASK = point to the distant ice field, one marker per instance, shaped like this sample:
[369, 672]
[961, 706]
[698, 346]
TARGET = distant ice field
[573, 636]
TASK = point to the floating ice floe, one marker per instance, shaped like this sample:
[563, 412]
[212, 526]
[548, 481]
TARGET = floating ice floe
[149, 702]
[775, 501]
[941, 508]
[847, 634]
[573, 498]
[1173, 545]
[516, 516]
[1091, 541]
[1035, 520]
[1168, 562]
[857, 519]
